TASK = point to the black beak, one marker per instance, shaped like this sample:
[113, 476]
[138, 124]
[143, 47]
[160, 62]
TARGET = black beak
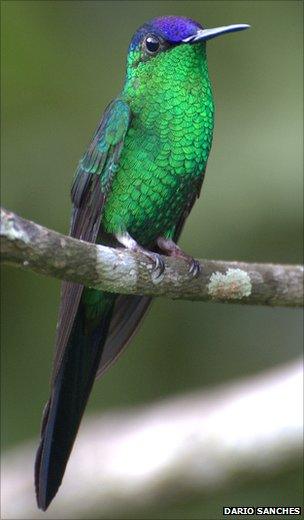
[208, 34]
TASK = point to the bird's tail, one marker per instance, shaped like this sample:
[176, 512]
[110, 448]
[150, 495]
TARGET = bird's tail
[70, 392]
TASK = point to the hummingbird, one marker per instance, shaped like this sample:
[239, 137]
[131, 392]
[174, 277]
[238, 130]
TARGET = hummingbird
[134, 187]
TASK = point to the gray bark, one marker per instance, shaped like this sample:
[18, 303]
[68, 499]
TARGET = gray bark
[36, 248]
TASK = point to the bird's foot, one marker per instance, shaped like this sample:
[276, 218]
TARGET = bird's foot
[194, 267]
[158, 265]
[157, 261]
[171, 249]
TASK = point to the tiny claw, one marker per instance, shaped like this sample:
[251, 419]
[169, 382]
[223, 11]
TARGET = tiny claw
[172, 249]
[159, 264]
[194, 268]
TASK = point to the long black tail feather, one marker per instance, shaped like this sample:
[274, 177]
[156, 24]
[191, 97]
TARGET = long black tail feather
[70, 392]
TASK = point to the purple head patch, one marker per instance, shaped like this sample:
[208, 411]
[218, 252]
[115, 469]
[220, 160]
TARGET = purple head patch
[172, 28]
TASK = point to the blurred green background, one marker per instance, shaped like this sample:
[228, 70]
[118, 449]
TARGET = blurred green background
[62, 62]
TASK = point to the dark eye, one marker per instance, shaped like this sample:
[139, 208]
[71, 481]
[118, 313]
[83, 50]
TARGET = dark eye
[152, 43]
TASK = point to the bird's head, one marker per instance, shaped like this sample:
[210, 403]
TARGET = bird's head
[158, 38]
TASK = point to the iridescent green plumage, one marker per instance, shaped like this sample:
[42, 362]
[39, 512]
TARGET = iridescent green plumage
[167, 144]
[134, 186]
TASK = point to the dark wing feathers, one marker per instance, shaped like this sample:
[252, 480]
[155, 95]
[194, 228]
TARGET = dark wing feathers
[96, 169]
[89, 190]
[188, 207]
[127, 315]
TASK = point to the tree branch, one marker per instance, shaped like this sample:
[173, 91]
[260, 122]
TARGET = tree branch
[33, 247]
[182, 447]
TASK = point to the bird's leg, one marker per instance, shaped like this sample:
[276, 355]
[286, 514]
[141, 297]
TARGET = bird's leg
[129, 243]
[171, 249]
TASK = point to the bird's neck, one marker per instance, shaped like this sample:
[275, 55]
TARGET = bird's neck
[168, 81]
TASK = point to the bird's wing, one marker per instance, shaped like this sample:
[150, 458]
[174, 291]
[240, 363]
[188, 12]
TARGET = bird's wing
[89, 191]
[128, 313]
[188, 207]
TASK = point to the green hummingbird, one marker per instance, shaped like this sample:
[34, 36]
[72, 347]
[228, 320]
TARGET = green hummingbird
[134, 187]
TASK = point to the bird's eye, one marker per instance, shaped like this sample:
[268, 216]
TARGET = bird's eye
[152, 43]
